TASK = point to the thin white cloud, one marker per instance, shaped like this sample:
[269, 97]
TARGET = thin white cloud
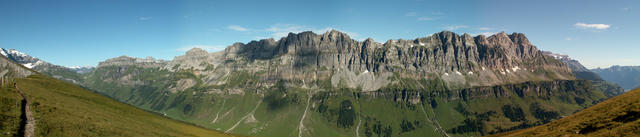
[627, 8]
[581, 25]
[260, 37]
[204, 47]
[237, 28]
[410, 14]
[455, 27]
[484, 28]
[568, 38]
[488, 33]
[144, 18]
[483, 33]
[425, 19]
[437, 13]
[281, 30]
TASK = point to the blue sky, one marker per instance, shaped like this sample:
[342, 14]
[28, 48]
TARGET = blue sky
[84, 32]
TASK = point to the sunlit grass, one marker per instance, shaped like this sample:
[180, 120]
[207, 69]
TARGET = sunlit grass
[617, 116]
[63, 109]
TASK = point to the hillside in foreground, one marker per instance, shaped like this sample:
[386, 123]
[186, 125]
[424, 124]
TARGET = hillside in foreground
[63, 109]
[619, 116]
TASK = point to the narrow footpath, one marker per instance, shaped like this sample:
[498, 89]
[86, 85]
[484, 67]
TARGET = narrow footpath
[30, 121]
[301, 125]
[434, 122]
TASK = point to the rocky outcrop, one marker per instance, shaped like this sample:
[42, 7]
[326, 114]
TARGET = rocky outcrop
[581, 72]
[458, 59]
[148, 62]
[573, 64]
[307, 59]
[10, 69]
[542, 89]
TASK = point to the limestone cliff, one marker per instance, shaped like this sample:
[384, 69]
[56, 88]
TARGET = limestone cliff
[308, 60]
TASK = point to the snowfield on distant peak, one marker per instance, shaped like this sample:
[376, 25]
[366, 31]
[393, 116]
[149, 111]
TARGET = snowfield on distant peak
[2, 52]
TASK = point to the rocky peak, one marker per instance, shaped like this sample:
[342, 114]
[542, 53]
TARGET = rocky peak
[578, 69]
[21, 58]
[500, 39]
[519, 38]
[441, 53]
[335, 34]
[369, 42]
[125, 60]
[9, 68]
[196, 52]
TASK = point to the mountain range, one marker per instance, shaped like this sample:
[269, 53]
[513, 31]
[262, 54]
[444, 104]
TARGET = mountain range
[33, 104]
[71, 74]
[329, 84]
[609, 86]
[628, 77]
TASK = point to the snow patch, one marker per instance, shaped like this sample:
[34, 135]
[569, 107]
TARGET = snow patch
[515, 69]
[28, 65]
[3, 53]
[17, 53]
[470, 73]
[75, 67]
[411, 45]
[508, 71]
[483, 68]
[502, 72]
[365, 72]
[38, 63]
[446, 74]
[457, 72]
[421, 44]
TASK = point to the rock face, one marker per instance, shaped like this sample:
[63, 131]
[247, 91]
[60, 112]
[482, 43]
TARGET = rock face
[307, 59]
[581, 72]
[573, 64]
[578, 69]
[10, 69]
[82, 69]
[126, 60]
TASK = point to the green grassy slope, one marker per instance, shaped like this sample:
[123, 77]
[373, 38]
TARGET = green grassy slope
[399, 110]
[618, 116]
[10, 111]
[63, 109]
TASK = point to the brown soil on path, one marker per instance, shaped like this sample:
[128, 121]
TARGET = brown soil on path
[30, 123]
